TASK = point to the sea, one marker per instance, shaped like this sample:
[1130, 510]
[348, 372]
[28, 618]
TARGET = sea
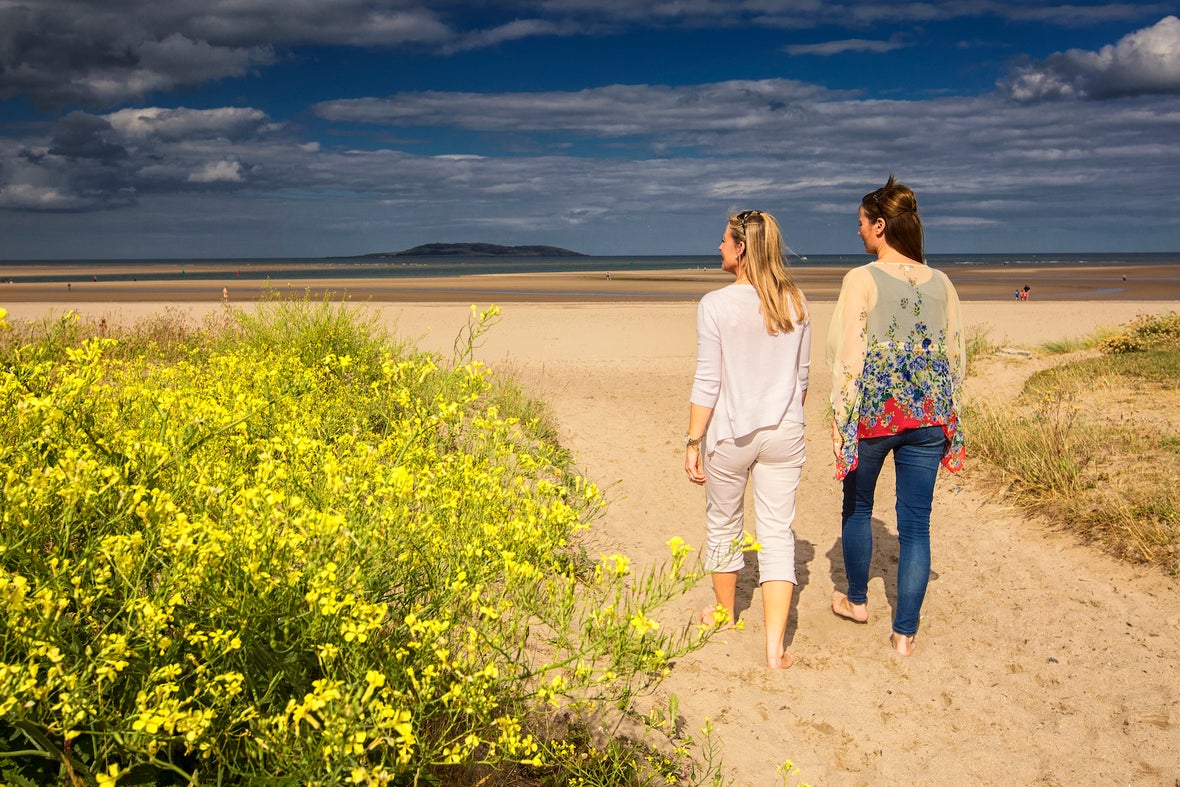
[60, 271]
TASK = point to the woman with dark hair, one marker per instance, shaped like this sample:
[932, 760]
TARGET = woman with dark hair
[897, 356]
[746, 418]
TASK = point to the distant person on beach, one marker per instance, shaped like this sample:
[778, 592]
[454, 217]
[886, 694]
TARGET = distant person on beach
[746, 418]
[225, 294]
[897, 357]
[1025, 292]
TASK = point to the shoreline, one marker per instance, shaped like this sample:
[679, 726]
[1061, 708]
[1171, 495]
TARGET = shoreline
[986, 283]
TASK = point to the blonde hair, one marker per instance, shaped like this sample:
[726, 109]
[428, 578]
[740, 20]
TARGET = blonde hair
[766, 269]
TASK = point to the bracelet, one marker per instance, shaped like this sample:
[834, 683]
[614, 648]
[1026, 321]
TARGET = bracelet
[690, 442]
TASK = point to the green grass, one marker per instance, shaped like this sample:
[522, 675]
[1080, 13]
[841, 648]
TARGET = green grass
[1089, 341]
[1102, 467]
[1158, 367]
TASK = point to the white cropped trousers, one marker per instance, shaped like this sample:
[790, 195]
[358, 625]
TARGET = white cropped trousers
[772, 459]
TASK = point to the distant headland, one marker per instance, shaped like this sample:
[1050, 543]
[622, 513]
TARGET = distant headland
[478, 250]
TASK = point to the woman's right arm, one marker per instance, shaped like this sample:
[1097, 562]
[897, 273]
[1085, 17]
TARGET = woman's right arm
[846, 350]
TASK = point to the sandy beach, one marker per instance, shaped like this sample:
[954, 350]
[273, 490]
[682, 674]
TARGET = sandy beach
[1040, 661]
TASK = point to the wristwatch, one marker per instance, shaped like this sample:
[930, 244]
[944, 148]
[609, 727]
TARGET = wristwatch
[690, 441]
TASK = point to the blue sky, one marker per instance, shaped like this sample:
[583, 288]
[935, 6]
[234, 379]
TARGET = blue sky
[306, 128]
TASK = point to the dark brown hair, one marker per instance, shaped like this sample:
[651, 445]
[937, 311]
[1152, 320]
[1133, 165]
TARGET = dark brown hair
[897, 204]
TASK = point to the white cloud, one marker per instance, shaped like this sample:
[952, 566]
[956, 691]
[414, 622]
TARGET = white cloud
[334, 22]
[960, 222]
[217, 172]
[611, 111]
[26, 196]
[512, 31]
[1144, 62]
[182, 123]
[737, 187]
[1037, 84]
[828, 48]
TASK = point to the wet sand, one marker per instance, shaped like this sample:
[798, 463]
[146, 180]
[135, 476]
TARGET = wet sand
[1057, 282]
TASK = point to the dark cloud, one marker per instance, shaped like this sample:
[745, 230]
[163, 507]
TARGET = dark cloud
[83, 136]
[100, 162]
[85, 53]
[1079, 15]
[99, 54]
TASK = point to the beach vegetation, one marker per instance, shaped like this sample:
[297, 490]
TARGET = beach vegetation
[1091, 444]
[281, 547]
[1090, 341]
[1145, 332]
[978, 343]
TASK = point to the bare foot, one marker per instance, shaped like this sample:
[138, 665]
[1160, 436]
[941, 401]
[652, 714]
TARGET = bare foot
[711, 617]
[902, 644]
[857, 613]
[782, 661]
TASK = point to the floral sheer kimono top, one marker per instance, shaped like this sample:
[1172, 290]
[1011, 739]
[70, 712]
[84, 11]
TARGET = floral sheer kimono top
[897, 357]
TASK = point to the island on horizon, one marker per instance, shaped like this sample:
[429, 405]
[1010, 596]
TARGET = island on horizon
[477, 250]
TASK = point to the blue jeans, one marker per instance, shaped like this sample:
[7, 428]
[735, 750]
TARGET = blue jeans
[916, 456]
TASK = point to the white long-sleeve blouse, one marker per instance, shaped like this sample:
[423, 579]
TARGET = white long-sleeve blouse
[750, 378]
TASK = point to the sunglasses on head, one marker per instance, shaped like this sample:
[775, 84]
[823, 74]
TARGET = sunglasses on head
[746, 215]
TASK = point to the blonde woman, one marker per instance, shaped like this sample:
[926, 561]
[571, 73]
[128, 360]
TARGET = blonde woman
[746, 417]
[896, 351]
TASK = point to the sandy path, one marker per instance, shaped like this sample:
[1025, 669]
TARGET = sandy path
[1040, 661]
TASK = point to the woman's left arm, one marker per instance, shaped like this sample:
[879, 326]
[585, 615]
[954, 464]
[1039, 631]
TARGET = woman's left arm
[956, 335]
[804, 371]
